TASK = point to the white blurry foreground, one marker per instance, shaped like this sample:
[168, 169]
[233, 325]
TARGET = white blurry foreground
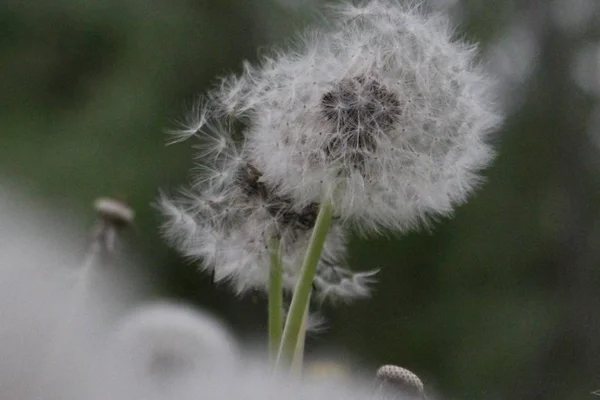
[69, 330]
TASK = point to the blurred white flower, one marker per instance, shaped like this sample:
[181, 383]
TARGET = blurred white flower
[52, 346]
[54, 314]
[168, 351]
[384, 113]
[231, 214]
[161, 348]
[163, 337]
[257, 382]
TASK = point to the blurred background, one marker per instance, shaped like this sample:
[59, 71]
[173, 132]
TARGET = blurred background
[501, 301]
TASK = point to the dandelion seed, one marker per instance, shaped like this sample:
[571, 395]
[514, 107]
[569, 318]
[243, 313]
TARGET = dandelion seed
[383, 113]
[341, 284]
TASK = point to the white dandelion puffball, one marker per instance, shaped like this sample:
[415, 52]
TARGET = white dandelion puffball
[167, 351]
[54, 314]
[229, 217]
[161, 340]
[384, 113]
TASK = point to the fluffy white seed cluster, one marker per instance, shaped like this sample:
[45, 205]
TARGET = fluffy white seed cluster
[230, 216]
[382, 112]
[163, 339]
[55, 346]
[385, 113]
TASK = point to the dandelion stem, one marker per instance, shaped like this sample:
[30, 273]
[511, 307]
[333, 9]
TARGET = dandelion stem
[275, 298]
[303, 288]
[298, 358]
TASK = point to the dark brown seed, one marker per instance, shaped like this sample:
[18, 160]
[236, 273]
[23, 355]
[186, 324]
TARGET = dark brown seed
[358, 109]
[278, 206]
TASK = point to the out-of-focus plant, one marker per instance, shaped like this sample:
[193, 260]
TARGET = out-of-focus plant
[73, 331]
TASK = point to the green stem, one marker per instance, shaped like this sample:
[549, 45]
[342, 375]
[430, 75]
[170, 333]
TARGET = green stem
[298, 358]
[275, 297]
[303, 288]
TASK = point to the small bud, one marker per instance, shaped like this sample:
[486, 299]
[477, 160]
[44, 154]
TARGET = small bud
[384, 111]
[115, 211]
[113, 215]
[394, 379]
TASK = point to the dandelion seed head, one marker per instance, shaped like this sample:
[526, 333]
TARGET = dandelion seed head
[163, 340]
[230, 215]
[385, 112]
[195, 120]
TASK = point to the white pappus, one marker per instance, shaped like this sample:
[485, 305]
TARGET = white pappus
[230, 215]
[384, 113]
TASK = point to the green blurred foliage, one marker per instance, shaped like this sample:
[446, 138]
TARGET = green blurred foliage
[499, 302]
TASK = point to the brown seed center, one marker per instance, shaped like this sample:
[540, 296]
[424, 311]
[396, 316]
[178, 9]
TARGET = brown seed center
[360, 109]
[278, 206]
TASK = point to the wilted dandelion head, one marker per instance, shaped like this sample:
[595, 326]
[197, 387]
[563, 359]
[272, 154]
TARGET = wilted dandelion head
[230, 216]
[384, 112]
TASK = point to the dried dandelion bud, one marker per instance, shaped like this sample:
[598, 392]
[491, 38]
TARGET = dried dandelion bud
[116, 211]
[394, 379]
[113, 215]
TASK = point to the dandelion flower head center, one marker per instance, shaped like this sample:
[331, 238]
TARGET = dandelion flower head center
[359, 109]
